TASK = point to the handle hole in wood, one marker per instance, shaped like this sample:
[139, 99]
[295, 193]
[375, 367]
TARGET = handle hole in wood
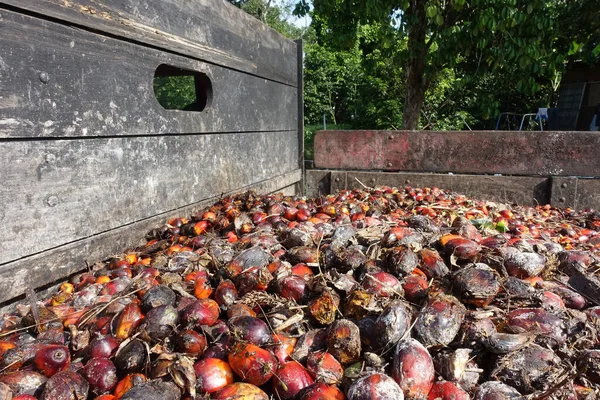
[180, 89]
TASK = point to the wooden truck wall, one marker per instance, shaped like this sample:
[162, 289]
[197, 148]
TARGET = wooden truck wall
[90, 161]
[527, 168]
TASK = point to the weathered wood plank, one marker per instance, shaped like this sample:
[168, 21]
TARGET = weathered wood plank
[52, 265]
[209, 30]
[55, 192]
[577, 193]
[59, 81]
[507, 189]
[490, 152]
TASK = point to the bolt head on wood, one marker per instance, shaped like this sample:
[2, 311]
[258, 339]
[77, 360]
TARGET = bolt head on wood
[337, 179]
[563, 185]
[562, 199]
[52, 201]
[44, 77]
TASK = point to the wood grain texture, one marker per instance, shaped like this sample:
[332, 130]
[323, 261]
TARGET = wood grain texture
[55, 192]
[507, 189]
[97, 86]
[209, 30]
[49, 266]
[576, 193]
[485, 152]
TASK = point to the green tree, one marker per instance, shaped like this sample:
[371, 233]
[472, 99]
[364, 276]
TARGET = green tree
[474, 36]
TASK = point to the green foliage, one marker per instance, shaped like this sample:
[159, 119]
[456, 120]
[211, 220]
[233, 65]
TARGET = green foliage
[426, 38]
[175, 92]
[331, 83]
[309, 137]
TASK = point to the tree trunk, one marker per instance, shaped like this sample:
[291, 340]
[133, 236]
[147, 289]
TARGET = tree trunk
[416, 84]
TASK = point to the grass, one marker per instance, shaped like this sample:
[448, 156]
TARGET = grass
[309, 137]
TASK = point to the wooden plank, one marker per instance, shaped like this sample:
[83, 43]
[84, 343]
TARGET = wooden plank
[484, 152]
[58, 81]
[576, 193]
[55, 192]
[506, 189]
[300, 60]
[50, 266]
[317, 182]
[209, 30]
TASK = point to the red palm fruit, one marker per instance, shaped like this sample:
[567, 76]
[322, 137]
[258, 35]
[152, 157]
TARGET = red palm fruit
[6, 345]
[324, 307]
[476, 284]
[493, 390]
[283, 347]
[415, 288]
[375, 387]
[439, 320]
[401, 260]
[447, 391]
[302, 270]
[201, 227]
[343, 341]
[323, 367]
[322, 391]
[466, 229]
[536, 320]
[290, 213]
[461, 248]
[382, 284]
[26, 397]
[313, 340]
[83, 280]
[302, 215]
[240, 390]
[226, 294]
[202, 289]
[121, 272]
[127, 383]
[65, 385]
[103, 397]
[200, 312]
[552, 301]
[103, 347]
[52, 358]
[303, 254]
[292, 287]
[413, 369]
[131, 317]
[522, 264]
[570, 298]
[209, 216]
[24, 382]
[239, 310]
[252, 363]
[191, 342]
[250, 329]
[432, 264]
[396, 235]
[212, 374]
[392, 324]
[254, 278]
[291, 378]
[101, 374]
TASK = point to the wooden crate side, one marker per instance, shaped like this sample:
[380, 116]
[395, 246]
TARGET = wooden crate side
[521, 190]
[484, 152]
[210, 30]
[49, 266]
[55, 192]
[58, 81]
